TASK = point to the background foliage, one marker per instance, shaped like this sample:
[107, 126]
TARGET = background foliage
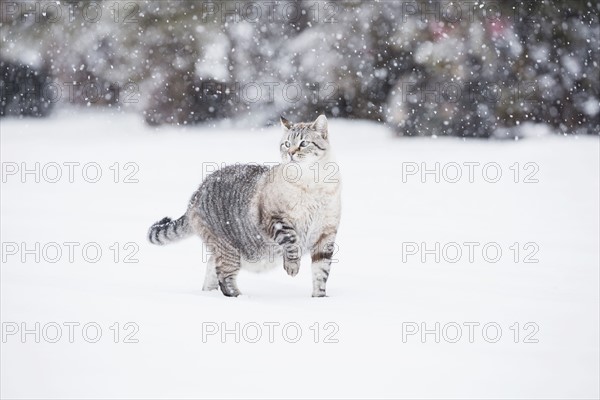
[423, 68]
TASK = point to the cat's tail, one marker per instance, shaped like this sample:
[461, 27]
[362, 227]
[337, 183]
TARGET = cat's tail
[167, 231]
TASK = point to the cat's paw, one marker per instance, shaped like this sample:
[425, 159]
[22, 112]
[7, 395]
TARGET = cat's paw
[320, 293]
[291, 267]
[229, 289]
[232, 293]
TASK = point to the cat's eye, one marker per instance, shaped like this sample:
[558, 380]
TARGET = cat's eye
[304, 143]
[287, 144]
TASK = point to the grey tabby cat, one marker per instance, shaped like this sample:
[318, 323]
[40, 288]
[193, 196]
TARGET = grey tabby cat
[254, 216]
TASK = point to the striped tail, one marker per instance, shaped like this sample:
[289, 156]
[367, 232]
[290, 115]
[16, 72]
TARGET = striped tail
[167, 230]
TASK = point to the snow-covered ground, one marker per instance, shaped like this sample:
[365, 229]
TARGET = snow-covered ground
[376, 299]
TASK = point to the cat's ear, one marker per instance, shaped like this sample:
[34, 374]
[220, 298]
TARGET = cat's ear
[320, 125]
[285, 123]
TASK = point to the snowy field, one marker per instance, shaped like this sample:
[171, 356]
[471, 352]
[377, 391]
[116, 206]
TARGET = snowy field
[380, 291]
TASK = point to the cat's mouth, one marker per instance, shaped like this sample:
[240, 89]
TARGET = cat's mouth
[294, 158]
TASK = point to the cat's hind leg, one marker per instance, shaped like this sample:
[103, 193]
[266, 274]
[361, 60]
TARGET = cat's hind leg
[211, 282]
[227, 267]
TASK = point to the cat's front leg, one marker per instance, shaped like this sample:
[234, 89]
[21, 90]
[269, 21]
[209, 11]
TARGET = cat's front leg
[291, 264]
[321, 255]
[284, 234]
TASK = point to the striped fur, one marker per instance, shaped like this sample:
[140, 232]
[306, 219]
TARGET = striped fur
[167, 230]
[257, 217]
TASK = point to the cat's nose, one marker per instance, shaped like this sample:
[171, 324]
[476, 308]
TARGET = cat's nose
[292, 150]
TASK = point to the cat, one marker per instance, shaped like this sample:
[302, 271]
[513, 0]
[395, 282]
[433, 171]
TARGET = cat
[253, 216]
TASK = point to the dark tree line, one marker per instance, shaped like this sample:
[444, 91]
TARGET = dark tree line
[421, 67]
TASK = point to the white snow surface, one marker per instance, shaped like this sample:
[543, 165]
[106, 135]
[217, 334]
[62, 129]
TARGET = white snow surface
[371, 291]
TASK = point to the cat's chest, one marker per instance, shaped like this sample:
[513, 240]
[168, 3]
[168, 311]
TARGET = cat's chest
[303, 202]
[307, 212]
[306, 207]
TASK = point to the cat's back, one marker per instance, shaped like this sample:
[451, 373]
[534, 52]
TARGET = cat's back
[229, 186]
[223, 200]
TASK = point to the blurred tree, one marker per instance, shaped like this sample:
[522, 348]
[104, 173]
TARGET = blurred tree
[423, 68]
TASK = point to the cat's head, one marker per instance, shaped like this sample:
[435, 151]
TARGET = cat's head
[304, 142]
